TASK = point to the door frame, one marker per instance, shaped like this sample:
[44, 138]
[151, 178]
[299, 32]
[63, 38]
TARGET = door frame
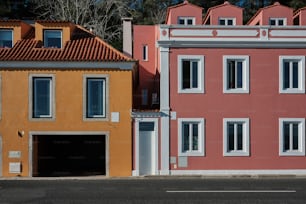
[155, 145]
[45, 133]
[1, 150]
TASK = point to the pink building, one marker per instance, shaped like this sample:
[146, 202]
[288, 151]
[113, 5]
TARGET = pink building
[231, 97]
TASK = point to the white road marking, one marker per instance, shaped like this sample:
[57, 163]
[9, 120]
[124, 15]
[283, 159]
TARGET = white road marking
[232, 191]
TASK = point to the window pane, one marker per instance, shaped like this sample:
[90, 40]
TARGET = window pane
[272, 22]
[189, 22]
[231, 136]
[239, 136]
[181, 22]
[53, 38]
[286, 136]
[295, 135]
[41, 97]
[195, 136]
[6, 38]
[194, 74]
[280, 22]
[146, 126]
[222, 22]
[295, 73]
[186, 74]
[231, 74]
[95, 94]
[229, 22]
[185, 137]
[286, 75]
[239, 75]
[144, 52]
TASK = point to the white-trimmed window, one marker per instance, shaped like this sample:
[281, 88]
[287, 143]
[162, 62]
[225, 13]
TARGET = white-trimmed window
[53, 38]
[278, 21]
[236, 136]
[186, 20]
[292, 136]
[292, 74]
[145, 53]
[227, 21]
[236, 74]
[95, 97]
[190, 74]
[42, 102]
[191, 136]
[6, 38]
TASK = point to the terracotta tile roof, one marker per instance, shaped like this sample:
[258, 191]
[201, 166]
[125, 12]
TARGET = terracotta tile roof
[83, 46]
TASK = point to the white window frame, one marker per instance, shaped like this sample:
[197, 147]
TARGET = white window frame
[301, 150]
[12, 36]
[51, 116]
[45, 38]
[201, 75]
[301, 74]
[185, 19]
[103, 117]
[201, 136]
[245, 74]
[277, 21]
[245, 137]
[145, 54]
[226, 21]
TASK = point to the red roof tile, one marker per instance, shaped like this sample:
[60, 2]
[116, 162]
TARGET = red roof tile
[83, 46]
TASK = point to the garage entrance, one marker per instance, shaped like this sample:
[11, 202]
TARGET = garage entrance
[68, 155]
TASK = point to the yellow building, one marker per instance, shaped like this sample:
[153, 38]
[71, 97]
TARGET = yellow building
[65, 102]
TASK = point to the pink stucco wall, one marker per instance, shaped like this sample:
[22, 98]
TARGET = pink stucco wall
[226, 11]
[264, 105]
[186, 10]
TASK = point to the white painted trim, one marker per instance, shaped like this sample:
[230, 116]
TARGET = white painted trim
[252, 172]
[52, 97]
[104, 133]
[193, 32]
[201, 136]
[105, 117]
[288, 33]
[201, 73]
[165, 111]
[66, 65]
[301, 68]
[277, 21]
[237, 33]
[226, 19]
[245, 75]
[301, 151]
[246, 137]
[135, 172]
[186, 18]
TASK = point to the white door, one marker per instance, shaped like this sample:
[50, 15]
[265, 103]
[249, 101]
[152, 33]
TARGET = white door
[146, 148]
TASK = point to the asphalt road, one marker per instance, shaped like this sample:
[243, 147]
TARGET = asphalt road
[155, 190]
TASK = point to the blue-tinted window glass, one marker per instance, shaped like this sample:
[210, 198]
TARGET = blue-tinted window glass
[194, 74]
[186, 137]
[195, 137]
[231, 137]
[295, 73]
[53, 38]
[286, 136]
[239, 75]
[295, 135]
[95, 98]
[6, 38]
[239, 137]
[41, 97]
[286, 75]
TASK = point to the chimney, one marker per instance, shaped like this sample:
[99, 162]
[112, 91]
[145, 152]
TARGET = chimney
[127, 36]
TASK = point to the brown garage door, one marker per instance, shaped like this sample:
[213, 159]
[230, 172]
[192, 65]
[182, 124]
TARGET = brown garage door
[69, 155]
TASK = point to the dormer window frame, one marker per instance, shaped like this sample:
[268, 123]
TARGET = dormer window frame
[186, 20]
[277, 21]
[12, 38]
[226, 21]
[45, 37]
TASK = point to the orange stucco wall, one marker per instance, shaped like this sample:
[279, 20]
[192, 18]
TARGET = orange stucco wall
[68, 114]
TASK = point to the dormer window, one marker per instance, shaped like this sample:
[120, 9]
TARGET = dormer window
[277, 21]
[6, 38]
[53, 38]
[227, 21]
[186, 21]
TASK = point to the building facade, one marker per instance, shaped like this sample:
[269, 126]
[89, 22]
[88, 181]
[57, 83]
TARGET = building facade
[232, 96]
[66, 98]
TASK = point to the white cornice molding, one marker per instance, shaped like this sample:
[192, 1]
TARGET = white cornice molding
[66, 65]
